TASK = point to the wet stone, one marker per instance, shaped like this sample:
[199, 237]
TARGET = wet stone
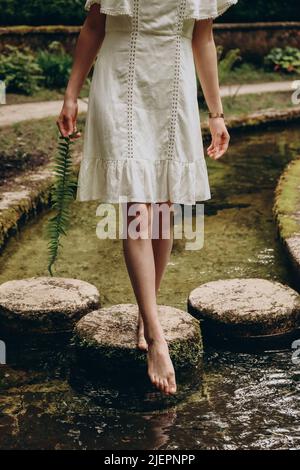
[45, 304]
[246, 308]
[109, 336]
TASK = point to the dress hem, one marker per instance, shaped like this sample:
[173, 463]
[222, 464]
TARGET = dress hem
[137, 180]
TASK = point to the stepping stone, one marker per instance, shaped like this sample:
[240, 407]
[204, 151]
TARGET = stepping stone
[108, 335]
[45, 304]
[246, 308]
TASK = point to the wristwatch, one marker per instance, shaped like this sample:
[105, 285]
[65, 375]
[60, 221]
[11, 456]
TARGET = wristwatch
[215, 115]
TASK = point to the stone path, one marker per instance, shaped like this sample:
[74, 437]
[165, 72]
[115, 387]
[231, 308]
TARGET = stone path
[245, 89]
[10, 114]
[45, 304]
[108, 335]
[246, 307]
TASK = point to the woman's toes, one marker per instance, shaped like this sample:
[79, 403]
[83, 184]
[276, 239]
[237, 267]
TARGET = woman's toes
[161, 385]
[154, 380]
[166, 387]
[172, 384]
[142, 343]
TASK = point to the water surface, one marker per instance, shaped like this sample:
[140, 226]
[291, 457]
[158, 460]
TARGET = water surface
[243, 401]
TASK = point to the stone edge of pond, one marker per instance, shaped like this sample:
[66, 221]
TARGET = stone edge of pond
[286, 212]
[258, 119]
[19, 205]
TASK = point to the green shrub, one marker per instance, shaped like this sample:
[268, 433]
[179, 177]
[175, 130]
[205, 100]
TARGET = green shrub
[55, 64]
[40, 12]
[227, 62]
[261, 10]
[19, 70]
[286, 59]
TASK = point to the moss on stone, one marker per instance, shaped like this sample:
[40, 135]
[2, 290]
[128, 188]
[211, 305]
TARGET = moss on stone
[287, 201]
[108, 336]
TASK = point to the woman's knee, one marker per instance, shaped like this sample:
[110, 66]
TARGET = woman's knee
[162, 220]
[138, 219]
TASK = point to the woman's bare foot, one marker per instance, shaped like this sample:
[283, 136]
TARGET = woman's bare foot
[160, 367]
[141, 341]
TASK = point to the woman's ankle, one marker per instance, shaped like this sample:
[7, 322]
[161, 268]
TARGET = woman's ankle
[156, 340]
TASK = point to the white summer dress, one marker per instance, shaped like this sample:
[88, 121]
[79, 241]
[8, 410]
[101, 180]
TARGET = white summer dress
[142, 140]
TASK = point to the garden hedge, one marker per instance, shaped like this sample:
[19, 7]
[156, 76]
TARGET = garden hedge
[71, 12]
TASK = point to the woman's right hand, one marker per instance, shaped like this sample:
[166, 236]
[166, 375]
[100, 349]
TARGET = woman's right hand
[67, 120]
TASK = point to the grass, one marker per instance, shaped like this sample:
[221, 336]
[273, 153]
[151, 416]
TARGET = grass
[249, 73]
[42, 95]
[28, 144]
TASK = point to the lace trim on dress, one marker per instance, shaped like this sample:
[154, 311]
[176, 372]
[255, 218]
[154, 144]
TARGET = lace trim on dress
[111, 7]
[175, 93]
[205, 9]
[131, 72]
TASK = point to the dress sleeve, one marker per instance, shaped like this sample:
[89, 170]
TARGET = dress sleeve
[223, 5]
[204, 9]
[112, 7]
[89, 3]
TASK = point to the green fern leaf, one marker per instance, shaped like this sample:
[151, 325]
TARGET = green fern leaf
[62, 194]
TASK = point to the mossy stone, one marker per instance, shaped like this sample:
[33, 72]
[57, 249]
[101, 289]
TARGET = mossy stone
[45, 304]
[246, 307]
[109, 336]
[287, 213]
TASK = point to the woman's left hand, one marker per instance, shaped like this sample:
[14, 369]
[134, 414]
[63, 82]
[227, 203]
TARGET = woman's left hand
[220, 138]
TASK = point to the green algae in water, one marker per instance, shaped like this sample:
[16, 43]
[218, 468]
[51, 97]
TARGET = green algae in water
[231, 409]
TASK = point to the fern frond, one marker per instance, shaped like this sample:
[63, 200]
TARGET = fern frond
[62, 194]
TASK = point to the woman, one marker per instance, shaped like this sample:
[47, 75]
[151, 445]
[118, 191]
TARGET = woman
[142, 143]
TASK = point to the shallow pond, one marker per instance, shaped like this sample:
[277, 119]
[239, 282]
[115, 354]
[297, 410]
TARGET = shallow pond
[243, 401]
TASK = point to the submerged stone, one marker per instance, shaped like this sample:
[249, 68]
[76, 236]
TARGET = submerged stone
[109, 336]
[246, 308]
[45, 304]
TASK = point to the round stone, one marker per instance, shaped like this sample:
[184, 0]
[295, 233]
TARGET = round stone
[109, 335]
[246, 307]
[45, 304]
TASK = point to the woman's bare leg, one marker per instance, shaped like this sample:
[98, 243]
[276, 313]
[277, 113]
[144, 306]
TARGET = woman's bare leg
[140, 264]
[162, 247]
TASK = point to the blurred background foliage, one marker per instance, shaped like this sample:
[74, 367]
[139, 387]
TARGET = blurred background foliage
[71, 12]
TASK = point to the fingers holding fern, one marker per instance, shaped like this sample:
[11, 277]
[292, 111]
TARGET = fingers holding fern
[67, 120]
